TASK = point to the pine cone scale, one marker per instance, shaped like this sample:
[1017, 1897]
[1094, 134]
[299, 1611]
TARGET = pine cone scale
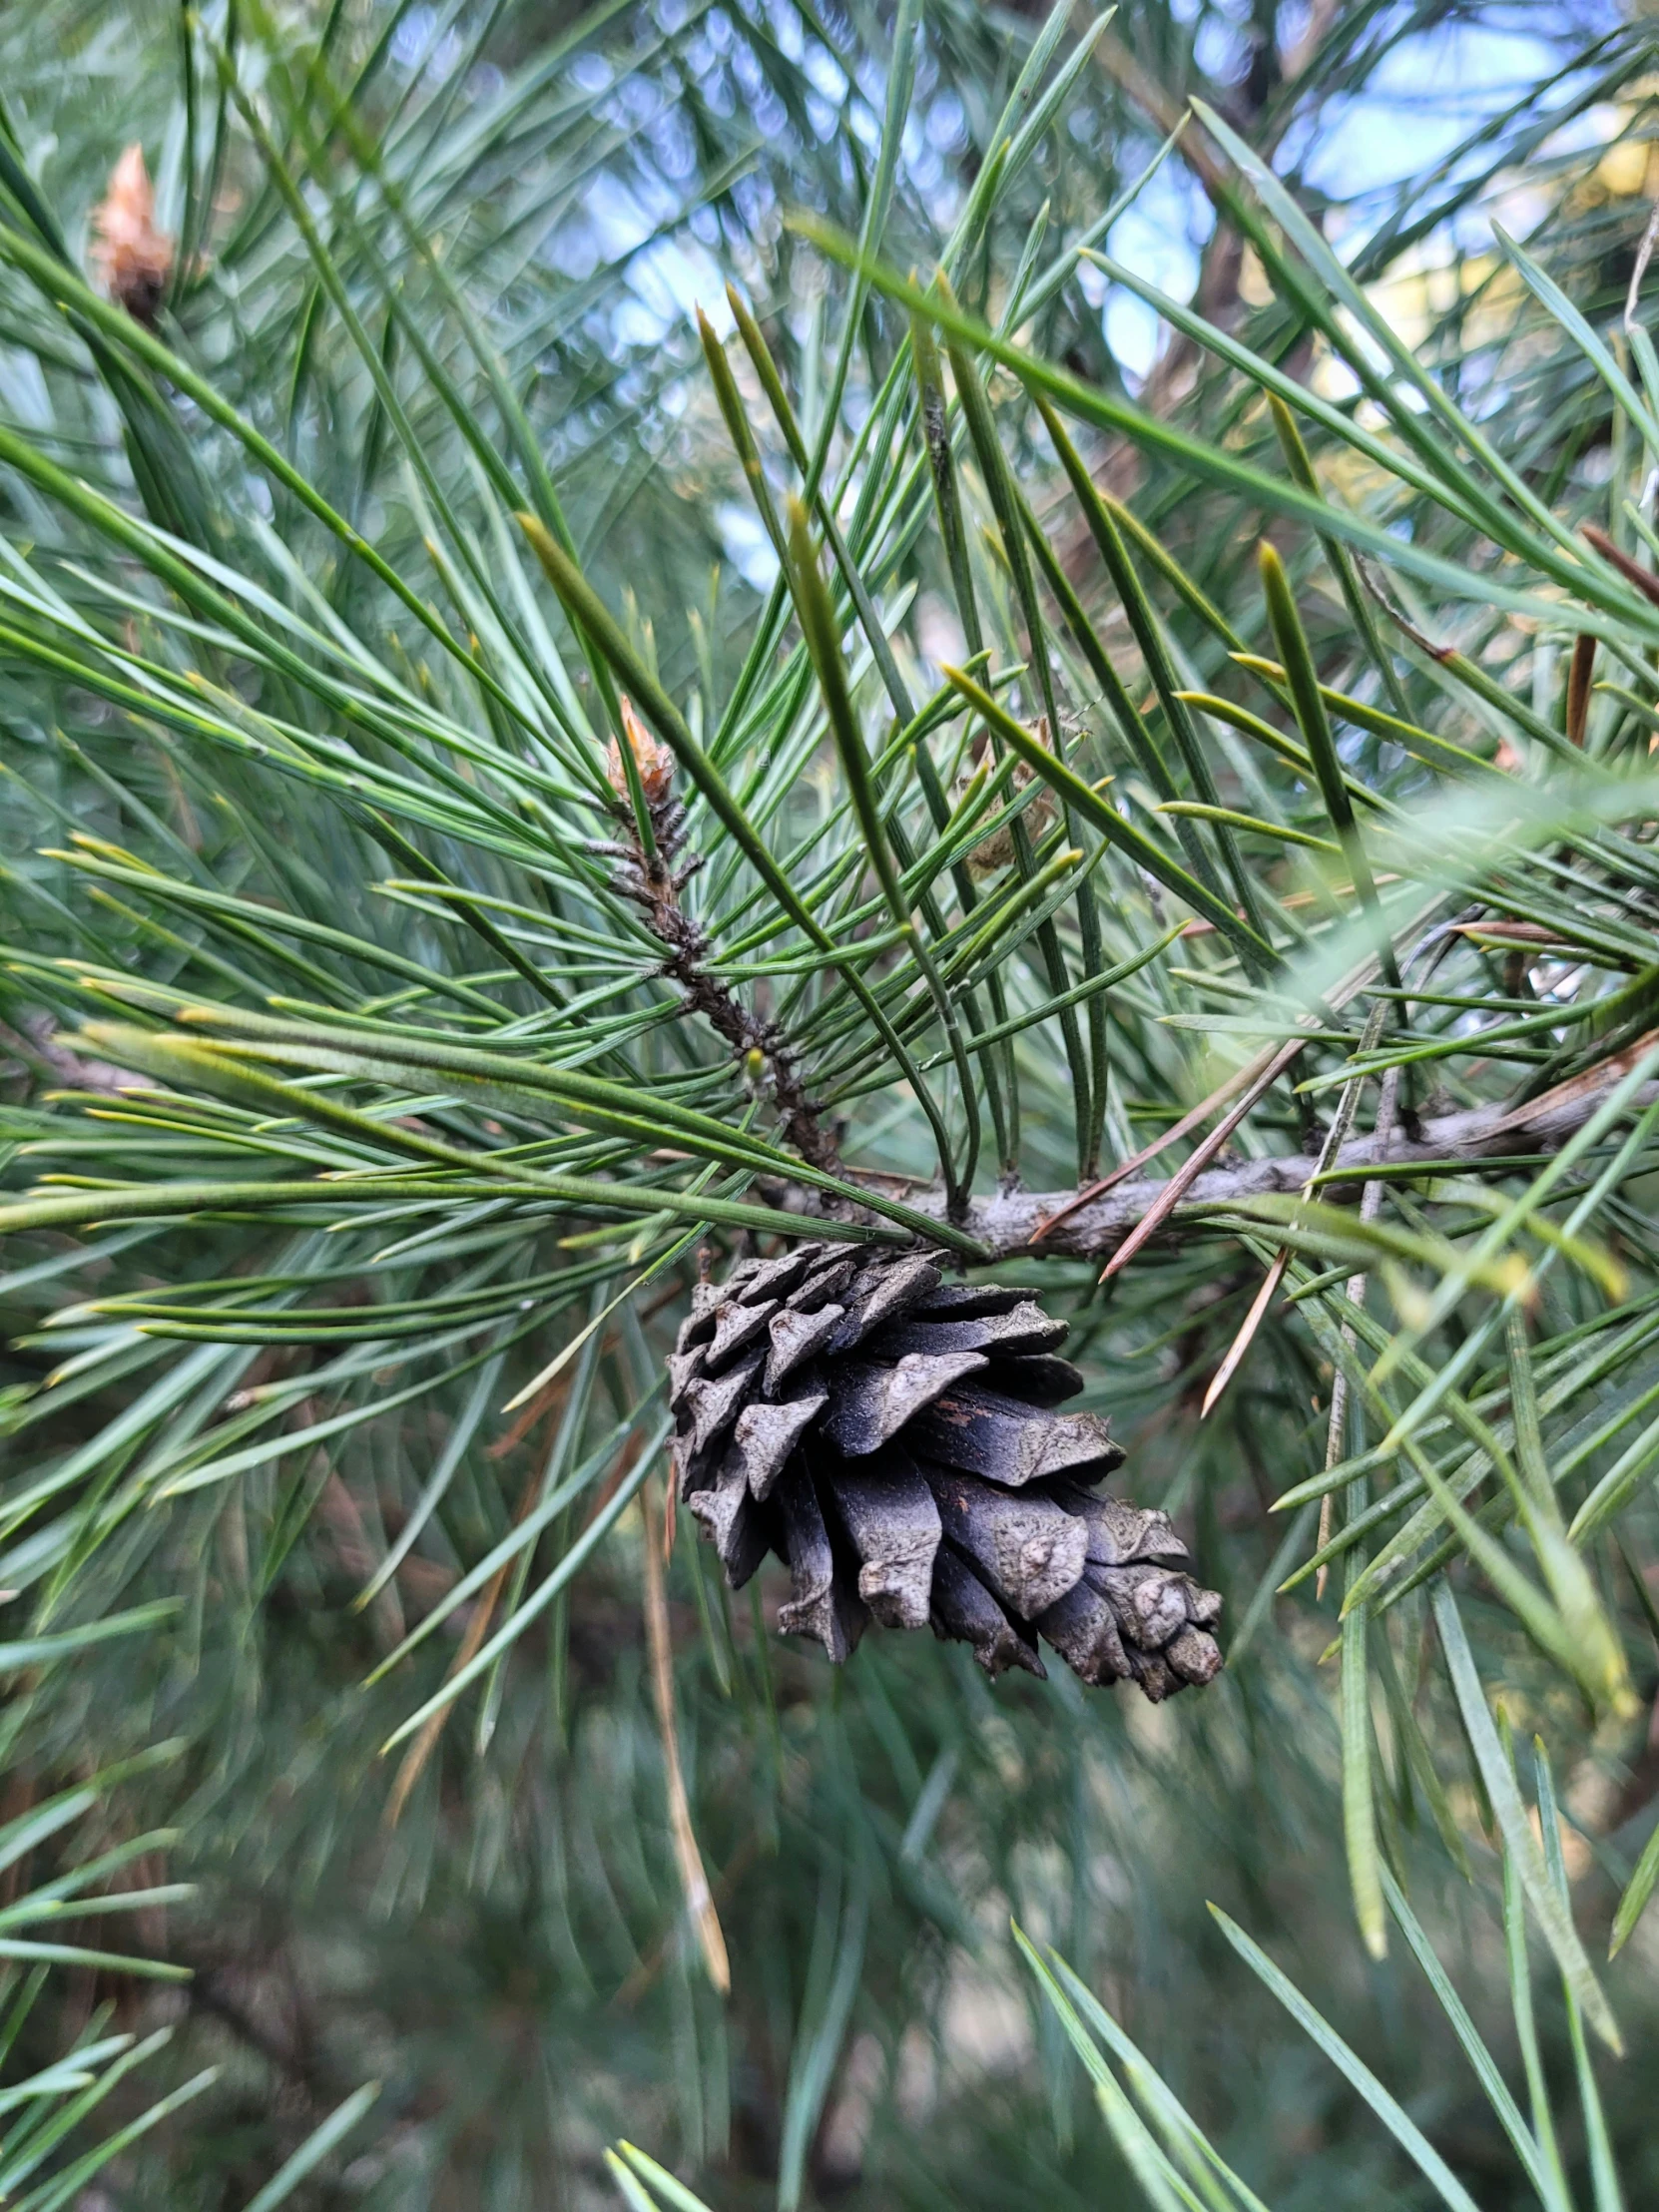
[892, 1524]
[1195, 1657]
[966, 1301]
[796, 1337]
[1038, 1378]
[1010, 1441]
[881, 1292]
[736, 1328]
[776, 1278]
[1024, 1328]
[893, 1439]
[715, 1403]
[820, 1603]
[767, 1432]
[873, 1403]
[964, 1611]
[1150, 1601]
[1028, 1550]
[1082, 1630]
[1119, 1533]
[734, 1524]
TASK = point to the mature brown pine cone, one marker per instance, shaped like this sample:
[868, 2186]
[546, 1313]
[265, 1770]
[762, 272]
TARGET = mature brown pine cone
[893, 1439]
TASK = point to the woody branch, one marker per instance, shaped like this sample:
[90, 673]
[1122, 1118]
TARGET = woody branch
[1449, 1144]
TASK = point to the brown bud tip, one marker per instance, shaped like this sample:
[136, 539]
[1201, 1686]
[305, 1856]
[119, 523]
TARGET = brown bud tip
[132, 258]
[654, 762]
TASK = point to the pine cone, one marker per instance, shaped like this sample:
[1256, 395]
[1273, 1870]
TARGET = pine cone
[893, 1437]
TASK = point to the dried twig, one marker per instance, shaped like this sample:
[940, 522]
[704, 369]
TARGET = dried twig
[483, 1612]
[1189, 1121]
[1578, 684]
[1190, 1170]
[421, 1751]
[1335, 1138]
[651, 1964]
[700, 1904]
[1632, 571]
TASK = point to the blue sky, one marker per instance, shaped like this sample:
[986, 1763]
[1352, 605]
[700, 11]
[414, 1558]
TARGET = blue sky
[1420, 104]
[1423, 100]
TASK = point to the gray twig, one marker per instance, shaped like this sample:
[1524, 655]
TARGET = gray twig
[1452, 1143]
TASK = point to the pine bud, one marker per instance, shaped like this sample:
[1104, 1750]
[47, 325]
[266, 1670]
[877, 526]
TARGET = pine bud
[654, 762]
[132, 257]
[895, 1440]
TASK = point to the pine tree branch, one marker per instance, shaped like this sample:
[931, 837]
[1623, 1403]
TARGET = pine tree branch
[1449, 1144]
[654, 882]
[36, 1048]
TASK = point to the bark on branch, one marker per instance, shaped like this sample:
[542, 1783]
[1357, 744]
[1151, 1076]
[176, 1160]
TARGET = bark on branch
[1008, 1224]
[652, 880]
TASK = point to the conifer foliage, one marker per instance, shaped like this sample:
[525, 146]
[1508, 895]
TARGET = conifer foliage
[871, 783]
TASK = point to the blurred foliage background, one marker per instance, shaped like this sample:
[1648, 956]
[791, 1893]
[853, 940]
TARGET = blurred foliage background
[292, 725]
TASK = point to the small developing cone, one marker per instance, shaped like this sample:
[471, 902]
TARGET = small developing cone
[132, 258]
[895, 1439]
